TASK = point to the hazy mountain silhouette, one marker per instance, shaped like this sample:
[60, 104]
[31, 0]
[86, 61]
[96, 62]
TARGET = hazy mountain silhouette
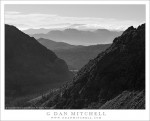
[29, 66]
[78, 37]
[36, 31]
[115, 79]
[52, 45]
[75, 56]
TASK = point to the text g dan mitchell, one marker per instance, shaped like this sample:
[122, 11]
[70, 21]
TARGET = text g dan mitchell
[72, 113]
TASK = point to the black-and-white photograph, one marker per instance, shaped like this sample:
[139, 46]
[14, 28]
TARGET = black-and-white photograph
[75, 56]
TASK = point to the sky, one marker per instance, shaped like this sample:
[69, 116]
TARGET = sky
[82, 17]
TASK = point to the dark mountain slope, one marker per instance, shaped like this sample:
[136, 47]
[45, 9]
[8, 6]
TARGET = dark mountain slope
[29, 66]
[120, 68]
[80, 37]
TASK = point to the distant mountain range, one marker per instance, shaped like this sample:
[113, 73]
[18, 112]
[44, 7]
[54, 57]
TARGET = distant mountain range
[78, 37]
[75, 56]
[36, 31]
[115, 79]
[29, 66]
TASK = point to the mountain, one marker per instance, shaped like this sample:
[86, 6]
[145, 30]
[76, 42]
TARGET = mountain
[52, 45]
[75, 56]
[115, 79]
[36, 31]
[29, 66]
[80, 37]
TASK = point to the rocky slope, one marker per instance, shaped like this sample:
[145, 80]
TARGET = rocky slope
[126, 100]
[101, 83]
[29, 66]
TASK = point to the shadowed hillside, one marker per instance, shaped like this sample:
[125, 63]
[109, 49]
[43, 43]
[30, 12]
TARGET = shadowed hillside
[29, 66]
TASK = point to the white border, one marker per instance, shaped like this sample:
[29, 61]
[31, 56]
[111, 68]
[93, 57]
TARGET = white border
[40, 115]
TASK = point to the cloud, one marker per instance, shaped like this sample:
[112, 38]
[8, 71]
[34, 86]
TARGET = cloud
[35, 21]
[11, 12]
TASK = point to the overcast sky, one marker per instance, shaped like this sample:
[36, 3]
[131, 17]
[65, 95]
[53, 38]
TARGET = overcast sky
[113, 17]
